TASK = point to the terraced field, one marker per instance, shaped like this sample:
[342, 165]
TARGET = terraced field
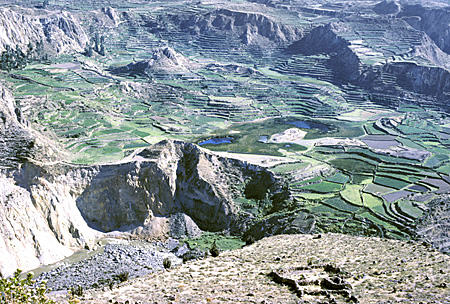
[368, 158]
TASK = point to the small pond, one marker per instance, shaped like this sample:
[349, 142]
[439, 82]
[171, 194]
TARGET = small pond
[217, 141]
[263, 139]
[304, 124]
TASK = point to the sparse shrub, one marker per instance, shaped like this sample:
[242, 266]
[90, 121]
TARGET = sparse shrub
[249, 239]
[122, 277]
[17, 290]
[76, 291]
[167, 263]
[214, 250]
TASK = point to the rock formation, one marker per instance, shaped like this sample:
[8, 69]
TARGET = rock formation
[433, 21]
[112, 14]
[422, 79]
[60, 32]
[164, 60]
[68, 207]
[251, 28]
[433, 226]
[432, 79]
[325, 39]
[387, 7]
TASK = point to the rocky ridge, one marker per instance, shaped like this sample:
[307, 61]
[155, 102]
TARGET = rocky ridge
[433, 21]
[164, 60]
[71, 206]
[429, 79]
[250, 28]
[326, 39]
[329, 268]
[59, 32]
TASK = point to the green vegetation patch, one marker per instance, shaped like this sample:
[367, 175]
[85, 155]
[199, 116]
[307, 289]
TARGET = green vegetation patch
[341, 204]
[339, 178]
[352, 194]
[390, 182]
[323, 187]
[23, 290]
[352, 165]
[207, 239]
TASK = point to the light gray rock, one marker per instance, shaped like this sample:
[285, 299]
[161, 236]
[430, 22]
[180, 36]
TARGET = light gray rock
[60, 32]
[182, 226]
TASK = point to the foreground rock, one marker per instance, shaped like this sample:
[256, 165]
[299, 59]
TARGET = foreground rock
[331, 268]
[433, 227]
[114, 264]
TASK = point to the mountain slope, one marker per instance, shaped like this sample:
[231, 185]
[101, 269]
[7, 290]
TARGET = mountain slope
[333, 268]
[59, 32]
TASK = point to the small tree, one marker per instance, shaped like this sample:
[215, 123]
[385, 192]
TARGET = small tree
[88, 50]
[26, 291]
[102, 50]
[97, 42]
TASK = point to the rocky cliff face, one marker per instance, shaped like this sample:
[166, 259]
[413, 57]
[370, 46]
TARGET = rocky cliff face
[47, 210]
[433, 21]
[170, 177]
[422, 79]
[325, 39]
[60, 32]
[431, 80]
[16, 143]
[251, 28]
[429, 51]
[433, 226]
[38, 222]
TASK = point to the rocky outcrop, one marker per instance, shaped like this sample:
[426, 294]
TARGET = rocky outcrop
[433, 226]
[164, 60]
[70, 206]
[291, 223]
[429, 51]
[433, 21]
[432, 81]
[182, 226]
[251, 28]
[39, 224]
[16, 142]
[387, 7]
[325, 39]
[60, 32]
[112, 14]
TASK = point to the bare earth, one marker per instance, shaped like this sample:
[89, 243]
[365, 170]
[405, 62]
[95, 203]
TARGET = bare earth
[371, 270]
